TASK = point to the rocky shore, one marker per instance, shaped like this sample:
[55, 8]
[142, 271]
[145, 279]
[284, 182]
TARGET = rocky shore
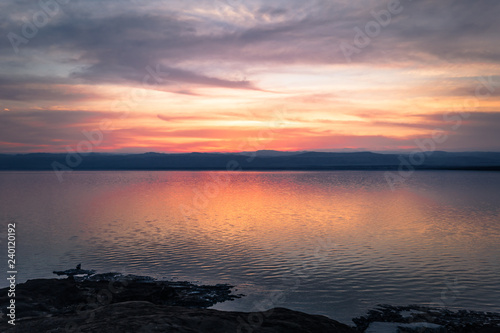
[414, 318]
[115, 303]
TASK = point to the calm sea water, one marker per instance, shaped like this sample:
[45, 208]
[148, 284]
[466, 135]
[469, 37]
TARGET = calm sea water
[332, 243]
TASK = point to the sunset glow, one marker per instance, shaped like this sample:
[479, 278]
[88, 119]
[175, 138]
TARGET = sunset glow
[231, 76]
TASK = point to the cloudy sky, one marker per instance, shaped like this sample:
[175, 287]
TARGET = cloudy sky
[234, 75]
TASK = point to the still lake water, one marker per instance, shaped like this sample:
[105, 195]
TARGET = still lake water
[331, 243]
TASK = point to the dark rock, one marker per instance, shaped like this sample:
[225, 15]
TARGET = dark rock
[115, 303]
[140, 316]
[112, 302]
[72, 272]
[461, 321]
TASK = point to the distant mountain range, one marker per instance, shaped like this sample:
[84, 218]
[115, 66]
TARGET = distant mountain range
[260, 160]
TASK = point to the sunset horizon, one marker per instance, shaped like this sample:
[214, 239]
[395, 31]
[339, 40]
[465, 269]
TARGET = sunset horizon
[221, 76]
[239, 166]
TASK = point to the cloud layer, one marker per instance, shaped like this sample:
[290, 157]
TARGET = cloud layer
[349, 74]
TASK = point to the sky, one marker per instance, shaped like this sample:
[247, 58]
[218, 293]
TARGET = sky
[243, 75]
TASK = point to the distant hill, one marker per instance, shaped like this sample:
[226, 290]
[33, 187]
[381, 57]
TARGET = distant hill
[269, 153]
[261, 160]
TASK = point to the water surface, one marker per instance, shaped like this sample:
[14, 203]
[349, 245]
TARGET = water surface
[332, 243]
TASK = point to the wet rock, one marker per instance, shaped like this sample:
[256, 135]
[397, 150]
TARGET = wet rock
[414, 318]
[422, 327]
[390, 327]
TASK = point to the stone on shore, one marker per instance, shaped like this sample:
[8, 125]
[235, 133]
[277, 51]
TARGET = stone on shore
[114, 303]
[142, 317]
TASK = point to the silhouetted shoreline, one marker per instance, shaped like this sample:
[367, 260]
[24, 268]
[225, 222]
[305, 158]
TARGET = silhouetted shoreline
[112, 302]
[256, 161]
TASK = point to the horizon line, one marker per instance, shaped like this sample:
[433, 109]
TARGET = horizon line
[346, 151]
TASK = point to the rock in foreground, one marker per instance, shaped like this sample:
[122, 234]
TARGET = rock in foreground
[142, 317]
[114, 303]
[421, 319]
